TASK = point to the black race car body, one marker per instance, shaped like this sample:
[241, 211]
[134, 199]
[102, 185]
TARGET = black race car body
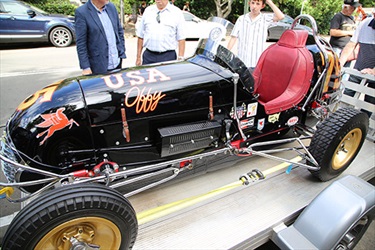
[140, 115]
[151, 114]
[132, 114]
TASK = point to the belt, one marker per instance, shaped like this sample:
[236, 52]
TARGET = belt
[159, 53]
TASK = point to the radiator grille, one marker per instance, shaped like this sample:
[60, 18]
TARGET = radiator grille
[188, 137]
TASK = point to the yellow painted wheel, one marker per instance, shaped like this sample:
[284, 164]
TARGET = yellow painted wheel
[347, 148]
[81, 216]
[91, 230]
[336, 142]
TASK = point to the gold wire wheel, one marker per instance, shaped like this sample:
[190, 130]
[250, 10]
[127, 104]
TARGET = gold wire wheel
[91, 230]
[347, 148]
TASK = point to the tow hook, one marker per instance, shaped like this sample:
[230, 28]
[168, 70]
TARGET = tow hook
[254, 175]
[103, 168]
[186, 164]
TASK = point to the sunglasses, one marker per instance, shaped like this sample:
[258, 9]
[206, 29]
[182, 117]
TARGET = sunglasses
[158, 17]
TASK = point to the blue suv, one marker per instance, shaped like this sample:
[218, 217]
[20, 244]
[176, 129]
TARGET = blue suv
[21, 22]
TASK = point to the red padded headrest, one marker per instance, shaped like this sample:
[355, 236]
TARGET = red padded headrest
[293, 38]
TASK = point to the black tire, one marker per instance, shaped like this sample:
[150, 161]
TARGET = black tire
[60, 37]
[337, 142]
[91, 213]
[351, 238]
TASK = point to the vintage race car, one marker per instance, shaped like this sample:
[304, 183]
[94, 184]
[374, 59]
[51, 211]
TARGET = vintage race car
[74, 142]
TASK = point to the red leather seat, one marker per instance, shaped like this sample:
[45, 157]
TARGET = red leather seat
[283, 73]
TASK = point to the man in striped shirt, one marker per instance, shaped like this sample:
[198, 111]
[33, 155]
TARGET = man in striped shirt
[251, 31]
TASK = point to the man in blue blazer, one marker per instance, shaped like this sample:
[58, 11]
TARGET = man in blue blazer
[99, 37]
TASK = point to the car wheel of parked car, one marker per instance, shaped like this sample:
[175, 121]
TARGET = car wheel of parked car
[75, 216]
[61, 37]
[337, 141]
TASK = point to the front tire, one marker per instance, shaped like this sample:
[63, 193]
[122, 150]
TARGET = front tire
[61, 37]
[337, 142]
[76, 214]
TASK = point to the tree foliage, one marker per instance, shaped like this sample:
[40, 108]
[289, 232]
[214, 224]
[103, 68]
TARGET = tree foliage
[130, 6]
[223, 7]
[321, 10]
[54, 6]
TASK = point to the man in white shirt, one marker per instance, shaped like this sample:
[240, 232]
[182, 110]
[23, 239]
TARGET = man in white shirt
[160, 32]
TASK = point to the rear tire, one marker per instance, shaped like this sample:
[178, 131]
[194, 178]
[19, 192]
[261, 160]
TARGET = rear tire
[337, 142]
[89, 213]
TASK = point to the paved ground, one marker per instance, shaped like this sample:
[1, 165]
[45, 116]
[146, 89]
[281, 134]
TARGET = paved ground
[129, 30]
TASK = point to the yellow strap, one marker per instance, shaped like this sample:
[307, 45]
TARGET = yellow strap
[158, 212]
[7, 190]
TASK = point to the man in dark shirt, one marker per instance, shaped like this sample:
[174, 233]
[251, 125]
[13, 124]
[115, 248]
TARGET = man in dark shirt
[343, 25]
[142, 8]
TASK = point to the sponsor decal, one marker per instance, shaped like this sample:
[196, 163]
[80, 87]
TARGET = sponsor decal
[292, 121]
[247, 123]
[260, 125]
[241, 111]
[274, 118]
[252, 109]
[54, 122]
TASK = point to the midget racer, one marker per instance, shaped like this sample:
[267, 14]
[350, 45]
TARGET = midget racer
[74, 144]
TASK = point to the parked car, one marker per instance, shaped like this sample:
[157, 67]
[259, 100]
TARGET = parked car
[24, 23]
[197, 28]
[275, 31]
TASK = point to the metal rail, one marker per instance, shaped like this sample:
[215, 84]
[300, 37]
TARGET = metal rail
[146, 172]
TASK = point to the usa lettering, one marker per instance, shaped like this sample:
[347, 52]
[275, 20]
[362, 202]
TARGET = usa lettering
[134, 78]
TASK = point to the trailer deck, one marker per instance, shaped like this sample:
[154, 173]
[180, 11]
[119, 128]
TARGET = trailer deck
[241, 217]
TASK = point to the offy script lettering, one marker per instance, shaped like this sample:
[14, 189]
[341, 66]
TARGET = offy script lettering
[144, 102]
[143, 98]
